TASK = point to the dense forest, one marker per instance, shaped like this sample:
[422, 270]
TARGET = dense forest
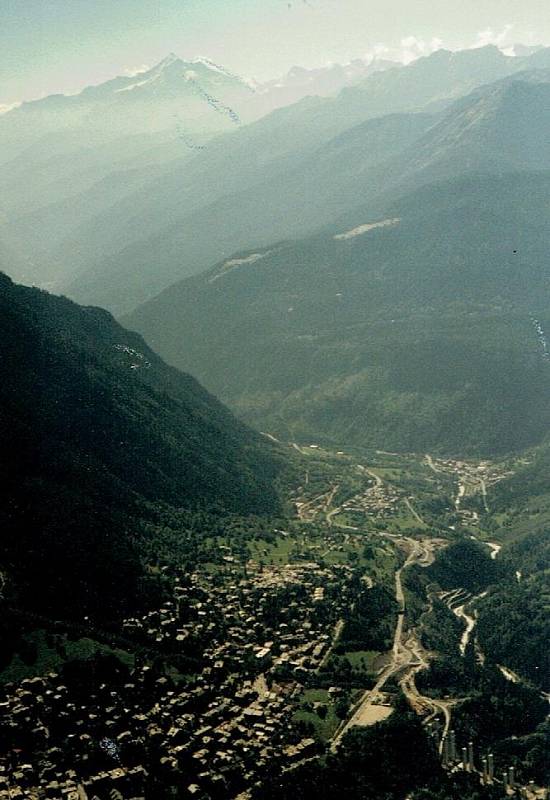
[514, 627]
[389, 761]
[467, 564]
[370, 621]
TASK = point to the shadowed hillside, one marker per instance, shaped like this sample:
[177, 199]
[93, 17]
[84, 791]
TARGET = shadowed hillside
[94, 426]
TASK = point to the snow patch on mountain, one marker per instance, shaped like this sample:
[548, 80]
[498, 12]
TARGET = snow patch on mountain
[541, 336]
[237, 262]
[369, 226]
[213, 67]
[136, 85]
[5, 107]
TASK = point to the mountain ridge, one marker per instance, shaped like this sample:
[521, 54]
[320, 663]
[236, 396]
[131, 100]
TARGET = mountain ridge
[173, 214]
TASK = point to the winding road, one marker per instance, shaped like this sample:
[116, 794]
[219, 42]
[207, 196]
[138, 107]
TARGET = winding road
[407, 656]
[457, 601]
[407, 653]
[495, 549]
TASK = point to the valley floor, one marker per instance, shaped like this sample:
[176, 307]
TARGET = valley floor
[276, 646]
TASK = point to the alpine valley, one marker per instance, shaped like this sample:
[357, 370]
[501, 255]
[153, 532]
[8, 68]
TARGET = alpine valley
[275, 430]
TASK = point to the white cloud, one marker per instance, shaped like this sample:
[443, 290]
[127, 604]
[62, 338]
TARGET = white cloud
[412, 47]
[490, 36]
[409, 49]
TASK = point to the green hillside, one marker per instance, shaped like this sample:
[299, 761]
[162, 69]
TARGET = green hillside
[418, 333]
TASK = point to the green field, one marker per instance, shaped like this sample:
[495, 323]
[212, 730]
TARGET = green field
[324, 728]
[362, 659]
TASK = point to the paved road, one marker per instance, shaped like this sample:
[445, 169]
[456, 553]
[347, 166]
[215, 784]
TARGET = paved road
[495, 549]
[406, 654]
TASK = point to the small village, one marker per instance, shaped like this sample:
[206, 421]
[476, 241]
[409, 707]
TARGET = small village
[261, 636]
[378, 500]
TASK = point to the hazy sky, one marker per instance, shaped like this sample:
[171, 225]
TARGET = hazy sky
[62, 45]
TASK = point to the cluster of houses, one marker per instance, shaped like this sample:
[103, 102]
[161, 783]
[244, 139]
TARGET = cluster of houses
[472, 472]
[378, 500]
[213, 732]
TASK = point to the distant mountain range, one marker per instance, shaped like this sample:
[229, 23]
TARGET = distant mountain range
[119, 200]
[381, 253]
[322, 82]
[67, 158]
[98, 436]
[371, 163]
[197, 93]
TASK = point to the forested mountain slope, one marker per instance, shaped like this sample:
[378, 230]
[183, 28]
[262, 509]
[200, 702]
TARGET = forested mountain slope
[95, 429]
[421, 327]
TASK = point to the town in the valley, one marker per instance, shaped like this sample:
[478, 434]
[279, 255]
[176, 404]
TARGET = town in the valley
[246, 670]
